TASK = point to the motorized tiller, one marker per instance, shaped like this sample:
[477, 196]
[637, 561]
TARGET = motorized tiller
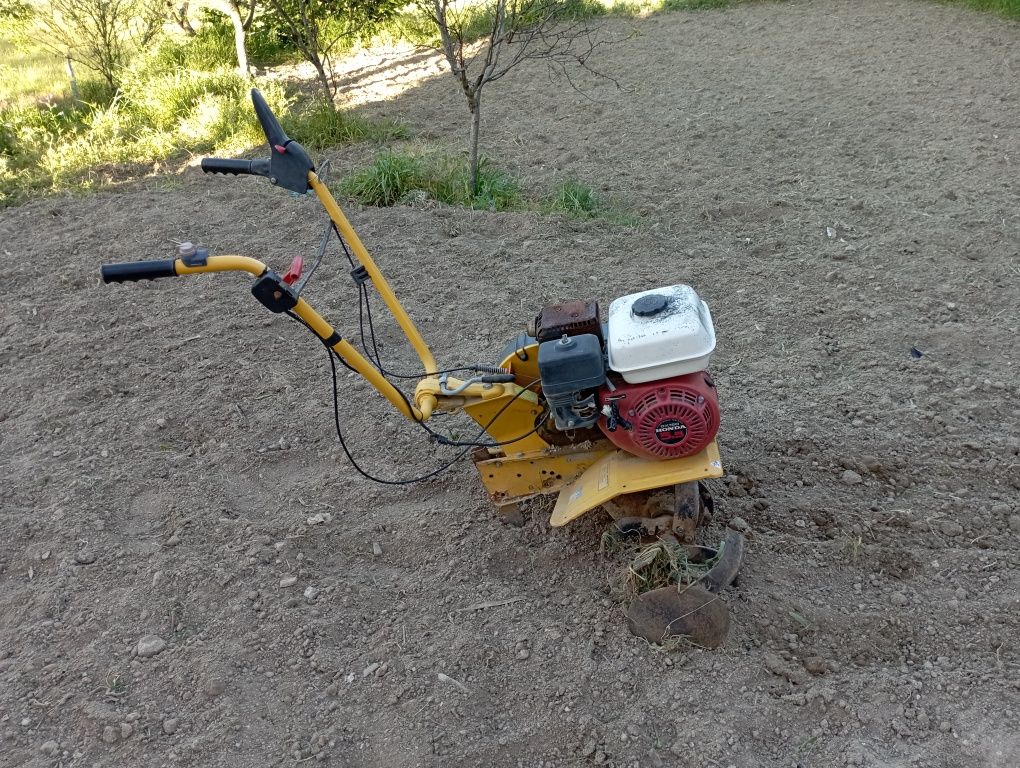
[617, 412]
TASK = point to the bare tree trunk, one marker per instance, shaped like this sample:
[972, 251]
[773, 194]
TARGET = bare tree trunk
[240, 38]
[180, 16]
[73, 79]
[233, 12]
[475, 105]
[324, 80]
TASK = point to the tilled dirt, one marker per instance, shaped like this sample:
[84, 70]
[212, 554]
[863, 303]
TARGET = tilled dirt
[837, 179]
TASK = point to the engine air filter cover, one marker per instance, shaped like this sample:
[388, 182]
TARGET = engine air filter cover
[659, 333]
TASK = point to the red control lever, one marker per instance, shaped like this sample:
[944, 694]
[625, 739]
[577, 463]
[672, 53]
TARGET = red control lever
[293, 273]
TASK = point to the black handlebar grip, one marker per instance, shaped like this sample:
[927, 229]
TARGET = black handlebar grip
[235, 167]
[137, 270]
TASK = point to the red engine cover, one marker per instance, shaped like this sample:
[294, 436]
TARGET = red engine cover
[664, 419]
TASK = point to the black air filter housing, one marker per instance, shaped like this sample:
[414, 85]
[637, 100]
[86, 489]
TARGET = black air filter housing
[572, 369]
[571, 364]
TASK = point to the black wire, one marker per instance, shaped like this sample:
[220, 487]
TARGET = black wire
[371, 326]
[444, 440]
[365, 309]
[363, 296]
[294, 316]
[441, 438]
[354, 463]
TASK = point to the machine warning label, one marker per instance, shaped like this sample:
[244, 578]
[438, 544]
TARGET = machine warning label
[671, 431]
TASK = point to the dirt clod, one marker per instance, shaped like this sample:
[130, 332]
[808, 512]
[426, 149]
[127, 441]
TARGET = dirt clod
[85, 556]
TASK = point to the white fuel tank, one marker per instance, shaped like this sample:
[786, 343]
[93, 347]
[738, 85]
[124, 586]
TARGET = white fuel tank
[659, 333]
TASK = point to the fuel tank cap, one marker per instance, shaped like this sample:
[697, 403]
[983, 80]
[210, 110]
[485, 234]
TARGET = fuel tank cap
[650, 305]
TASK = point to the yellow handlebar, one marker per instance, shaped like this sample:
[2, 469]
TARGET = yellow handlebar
[222, 264]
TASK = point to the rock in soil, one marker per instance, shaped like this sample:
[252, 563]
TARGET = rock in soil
[150, 645]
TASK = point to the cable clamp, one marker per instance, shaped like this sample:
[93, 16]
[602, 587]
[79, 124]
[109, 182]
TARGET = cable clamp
[360, 275]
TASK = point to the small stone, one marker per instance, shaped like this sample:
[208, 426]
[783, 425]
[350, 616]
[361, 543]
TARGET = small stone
[311, 593]
[150, 645]
[951, 528]
[816, 665]
[376, 548]
[319, 518]
[523, 654]
[851, 478]
[50, 748]
[871, 463]
[1014, 523]
[161, 422]
[85, 557]
[110, 734]
[214, 687]
[288, 581]
[170, 726]
[739, 525]
[126, 729]
[173, 541]
[370, 669]
[899, 599]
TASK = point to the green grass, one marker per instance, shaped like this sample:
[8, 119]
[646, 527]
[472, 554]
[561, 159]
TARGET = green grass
[395, 177]
[578, 200]
[1010, 9]
[317, 126]
[153, 122]
[27, 77]
[575, 199]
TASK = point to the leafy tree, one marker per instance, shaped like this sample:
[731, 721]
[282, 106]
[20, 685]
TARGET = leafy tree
[321, 28]
[99, 34]
[14, 11]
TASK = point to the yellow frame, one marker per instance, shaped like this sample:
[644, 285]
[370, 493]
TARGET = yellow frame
[588, 475]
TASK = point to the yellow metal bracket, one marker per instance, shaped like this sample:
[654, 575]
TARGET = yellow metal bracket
[510, 479]
[618, 472]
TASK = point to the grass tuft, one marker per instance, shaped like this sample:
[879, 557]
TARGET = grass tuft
[575, 199]
[318, 125]
[391, 178]
[396, 177]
